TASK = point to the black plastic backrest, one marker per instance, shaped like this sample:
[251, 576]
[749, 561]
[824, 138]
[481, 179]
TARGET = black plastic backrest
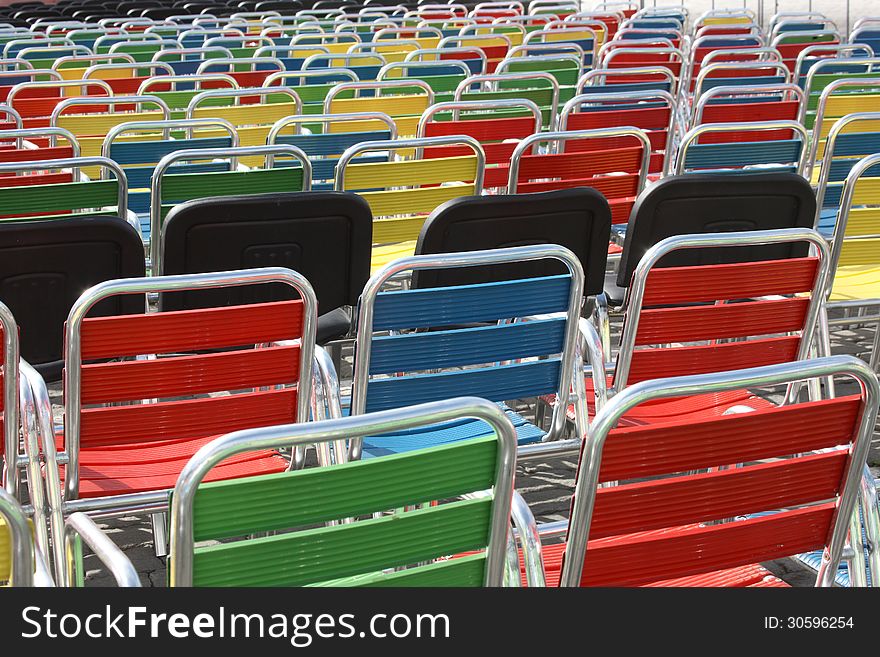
[46, 265]
[577, 218]
[717, 203]
[325, 236]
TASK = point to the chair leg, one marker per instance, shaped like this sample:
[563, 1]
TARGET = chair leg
[160, 534]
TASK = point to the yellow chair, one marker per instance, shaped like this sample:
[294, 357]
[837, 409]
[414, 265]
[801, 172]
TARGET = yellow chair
[253, 122]
[855, 255]
[403, 100]
[91, 129]
[401, 193]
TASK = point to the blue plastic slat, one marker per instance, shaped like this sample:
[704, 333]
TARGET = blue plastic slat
[331, 143]
[471, 346]
[711, 83]
[143, 152]
[466, 304]
[743, 153]
[518, 381]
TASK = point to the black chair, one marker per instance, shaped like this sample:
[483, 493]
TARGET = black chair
[46, 265]
[326, 236]
[577, 218]
[713, 203]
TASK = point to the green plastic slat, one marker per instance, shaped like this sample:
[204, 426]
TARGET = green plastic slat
[186, 186]
[58, 197]
[468, 571]
[281, 501]
[327, 553]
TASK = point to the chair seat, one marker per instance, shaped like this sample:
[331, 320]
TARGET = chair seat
[678, 409]
[853, 282]
[155, 466]
[441, 434]
[750, 575]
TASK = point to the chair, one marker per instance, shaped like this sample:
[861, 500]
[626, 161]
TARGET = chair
[855, 285]
[325, 236]
[659, 506]
[614, 161]
[402, 192]
[140, 395]
[474, 325]
[168, 188]
[578, 219]
[710, 203]
[404, 549]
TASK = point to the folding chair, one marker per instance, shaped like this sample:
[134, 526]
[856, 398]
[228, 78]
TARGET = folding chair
[540, 88]
[325, 236]
[32, 144]
[651, 111]
[402, 192]
[36, 100]
[168, 188]
[709, 147]
[140, 395]
[442, 76]
[855, 286]
[325, 137]
[476, 325]
[497, 125]
[139, 158]
[614, 161]
[403, 100]
[405, 549]
[659, 506]
[842, 144]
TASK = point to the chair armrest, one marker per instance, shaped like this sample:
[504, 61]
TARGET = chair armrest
[106, 550]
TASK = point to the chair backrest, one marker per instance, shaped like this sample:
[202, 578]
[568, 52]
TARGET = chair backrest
[408, 548]
[402, 100]
[150, 373]
[32, 144]
[540, 88]
[651, 111]
[683, 319]
[58, 191]
[45, 266]
[637, 78]
[325, 137]
[740, 73]
[849, 139]
[168, 188]
[583, 158]
[496, 124]
[402, 192]
[708, 147]
[837, 87]
[578, 219]
[714, 203]
[156, 139]
[856, 237]
[840, 99]
[746, 104]
[476, 328]
[795, 489]
[325, 236]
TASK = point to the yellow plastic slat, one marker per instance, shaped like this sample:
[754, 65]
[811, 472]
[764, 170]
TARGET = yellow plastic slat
[867, 192]
[101, 124]
[408, 202]
[861, 252]
[386, 253]
[858, 126]
[863, 221]
[245, 115]
[393, 106]
[415, 172]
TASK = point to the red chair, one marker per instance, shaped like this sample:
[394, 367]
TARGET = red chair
[703, 502]
[143, 392]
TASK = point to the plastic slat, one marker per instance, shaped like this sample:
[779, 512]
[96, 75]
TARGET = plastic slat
[44, 199]
[471, 346]
[153, 151]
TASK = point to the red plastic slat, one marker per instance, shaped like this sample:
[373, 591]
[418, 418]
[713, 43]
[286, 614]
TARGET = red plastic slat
[729, 493]
[653, 118]
[731, 320]
[635, 560]
[190, 330]
[741, 280]
[659, 362]
[189, 375]
[183, 420]
[680, 446]
[483, 129]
